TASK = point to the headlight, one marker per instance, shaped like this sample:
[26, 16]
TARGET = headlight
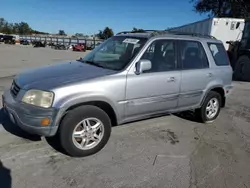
[38, 98]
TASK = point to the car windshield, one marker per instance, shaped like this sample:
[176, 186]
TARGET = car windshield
[115, 53]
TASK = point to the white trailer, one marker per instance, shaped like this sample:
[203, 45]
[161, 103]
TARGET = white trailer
[223, 29]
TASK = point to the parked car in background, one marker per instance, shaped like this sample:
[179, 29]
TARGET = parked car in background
[129, 77]
[81, 47]
[60, 47]
[39, 44]
[1, 38]
[51, 44]
[70, 47]
[24, 42]
[9, 39]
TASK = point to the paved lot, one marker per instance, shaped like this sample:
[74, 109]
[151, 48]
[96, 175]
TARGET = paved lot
[16, 58]
[170, 151]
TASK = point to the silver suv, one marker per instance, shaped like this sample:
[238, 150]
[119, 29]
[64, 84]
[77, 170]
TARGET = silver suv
[129, 77]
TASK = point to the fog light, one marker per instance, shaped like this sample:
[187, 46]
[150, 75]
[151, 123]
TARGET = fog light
[45, 122]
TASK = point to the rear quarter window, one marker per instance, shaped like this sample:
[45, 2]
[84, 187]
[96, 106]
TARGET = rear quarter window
[219, 54]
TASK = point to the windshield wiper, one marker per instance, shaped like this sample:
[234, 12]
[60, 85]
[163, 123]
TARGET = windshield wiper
[96, 64]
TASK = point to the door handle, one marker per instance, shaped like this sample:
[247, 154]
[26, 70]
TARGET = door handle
[210, 74]
[171, 79]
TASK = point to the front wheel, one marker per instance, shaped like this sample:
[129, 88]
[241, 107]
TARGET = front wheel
[210, 108]
[84, 131]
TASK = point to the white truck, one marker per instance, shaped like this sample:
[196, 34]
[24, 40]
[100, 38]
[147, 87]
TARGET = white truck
[235, 35]
[223, 29]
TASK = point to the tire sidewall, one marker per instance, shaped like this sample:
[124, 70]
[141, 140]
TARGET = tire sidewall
[246, 69]
[72, 119]
[211, 95]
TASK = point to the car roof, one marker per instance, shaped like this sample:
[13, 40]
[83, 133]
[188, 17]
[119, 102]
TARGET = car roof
[169, 35]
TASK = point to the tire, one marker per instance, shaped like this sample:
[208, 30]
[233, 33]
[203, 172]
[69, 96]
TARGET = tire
[242, 69]
[201, 113]
[69, 125]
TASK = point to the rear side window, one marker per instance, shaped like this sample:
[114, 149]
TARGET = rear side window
[219, 54]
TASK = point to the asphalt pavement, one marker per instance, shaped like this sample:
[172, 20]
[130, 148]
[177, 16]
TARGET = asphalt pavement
[169, 151]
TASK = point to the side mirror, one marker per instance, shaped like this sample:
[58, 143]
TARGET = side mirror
[237, 25]
[142, 65]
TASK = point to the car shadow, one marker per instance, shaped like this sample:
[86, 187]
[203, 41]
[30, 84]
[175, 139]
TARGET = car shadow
[55, 144]
[5, 176]
[187, 115]
[14, 129]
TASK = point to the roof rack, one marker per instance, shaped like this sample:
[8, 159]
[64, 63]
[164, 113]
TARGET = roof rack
[139, 31]
[160, 32]
[191, 34]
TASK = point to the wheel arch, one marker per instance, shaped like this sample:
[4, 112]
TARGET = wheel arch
[104, 105]
[219, 89]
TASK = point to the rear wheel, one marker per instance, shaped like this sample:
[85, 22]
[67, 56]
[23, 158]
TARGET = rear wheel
[84, 131]
[242, 69]
[210, 108]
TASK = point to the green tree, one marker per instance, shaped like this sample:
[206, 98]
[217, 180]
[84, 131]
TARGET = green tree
[61, 32]
[100, 35]
[79, 35]
[6, 28]
[2, 24]
[106, 33]
[223, 8]
[24, 28]
[137, 30]
[38, 32]
[15, 28]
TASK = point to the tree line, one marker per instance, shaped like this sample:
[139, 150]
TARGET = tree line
[21, 28]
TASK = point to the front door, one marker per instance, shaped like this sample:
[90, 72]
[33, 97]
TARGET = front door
[156, 90]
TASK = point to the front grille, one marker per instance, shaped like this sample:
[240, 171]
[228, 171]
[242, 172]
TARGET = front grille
[14, 89]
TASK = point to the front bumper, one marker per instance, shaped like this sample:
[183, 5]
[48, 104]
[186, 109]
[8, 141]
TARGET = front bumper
[29, 117]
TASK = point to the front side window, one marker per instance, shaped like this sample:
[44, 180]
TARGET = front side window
[115, 53]
[193, 55]
[162, 54]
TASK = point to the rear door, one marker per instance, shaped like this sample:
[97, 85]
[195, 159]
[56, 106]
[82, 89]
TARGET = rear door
[222, 69]
[195, 74]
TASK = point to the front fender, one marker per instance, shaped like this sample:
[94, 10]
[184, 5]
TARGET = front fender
[79, 98]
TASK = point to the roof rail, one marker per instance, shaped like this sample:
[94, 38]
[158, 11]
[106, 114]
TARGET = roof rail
[191, 34]
[139, 31]
[160, 32]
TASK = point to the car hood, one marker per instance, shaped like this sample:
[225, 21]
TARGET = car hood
[53, 76]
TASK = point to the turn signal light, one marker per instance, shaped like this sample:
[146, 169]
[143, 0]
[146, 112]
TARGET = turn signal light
[45, 122]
